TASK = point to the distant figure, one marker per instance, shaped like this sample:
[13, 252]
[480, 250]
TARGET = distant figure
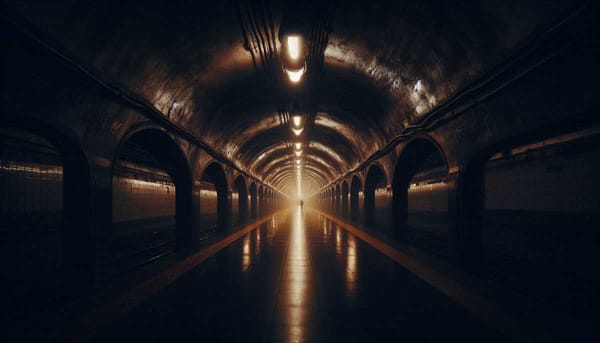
[301, 204]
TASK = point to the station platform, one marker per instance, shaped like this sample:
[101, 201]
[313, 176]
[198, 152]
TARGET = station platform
[299, 277]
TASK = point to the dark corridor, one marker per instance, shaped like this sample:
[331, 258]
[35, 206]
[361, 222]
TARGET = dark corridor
[154, 156]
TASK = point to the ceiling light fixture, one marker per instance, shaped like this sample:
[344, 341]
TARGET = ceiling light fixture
[297, 120]
[295, 75]
[294, 46]
[298, 132]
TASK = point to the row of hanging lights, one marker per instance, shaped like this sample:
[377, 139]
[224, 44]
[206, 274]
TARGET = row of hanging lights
[293, 56]
[297, 128]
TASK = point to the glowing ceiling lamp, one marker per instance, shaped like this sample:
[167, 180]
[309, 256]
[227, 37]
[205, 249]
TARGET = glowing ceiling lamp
[297, 120]
[294, 49]
[295, 75]
[298, 153]
[298, 145]
[294, 46]
[298, 132]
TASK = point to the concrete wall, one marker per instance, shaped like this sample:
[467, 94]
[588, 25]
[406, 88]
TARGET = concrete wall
[550, 206]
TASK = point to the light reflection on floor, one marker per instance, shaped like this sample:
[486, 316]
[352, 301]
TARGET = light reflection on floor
[297, 278]
[300, 278]
[351, 271]
[338, 240]
[246, 255]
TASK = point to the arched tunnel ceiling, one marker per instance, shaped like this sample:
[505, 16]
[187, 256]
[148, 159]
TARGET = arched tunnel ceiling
[386, 64]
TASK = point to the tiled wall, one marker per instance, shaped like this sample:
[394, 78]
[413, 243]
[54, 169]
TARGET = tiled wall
[208, 207]
[383, 209]
[140, 193]
[562, 183]
[428, 197]
[235, 208]
[428, 216]
[31, 204]
[542, 216]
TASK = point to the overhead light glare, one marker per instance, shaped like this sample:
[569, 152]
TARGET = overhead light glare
[298, 132]
[297, 120]
[295, 75]
[294, 46]
[298, 153]
[298, 145]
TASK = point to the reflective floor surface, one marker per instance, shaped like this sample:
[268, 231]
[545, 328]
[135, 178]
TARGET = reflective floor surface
[299, 278]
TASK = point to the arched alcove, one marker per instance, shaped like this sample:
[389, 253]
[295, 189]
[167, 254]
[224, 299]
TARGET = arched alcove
[261, 201]
[253, 200]
[332, 199]
[151, 199]
[421, 197]
[338, 200]
[240, 199]
[214, 199]
[534, 201]
[355, 190]
[269, 200]
[45, 203]
[376, 199]
[344, 199]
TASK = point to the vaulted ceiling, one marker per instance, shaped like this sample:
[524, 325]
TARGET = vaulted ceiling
[386, 64]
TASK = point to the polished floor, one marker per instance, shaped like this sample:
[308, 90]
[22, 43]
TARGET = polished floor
[299, 278]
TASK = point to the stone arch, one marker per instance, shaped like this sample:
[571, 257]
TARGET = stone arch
[374, 181]
[422, 164]
[215, 175]
[155, 152]
[355, 189]
[240, 188]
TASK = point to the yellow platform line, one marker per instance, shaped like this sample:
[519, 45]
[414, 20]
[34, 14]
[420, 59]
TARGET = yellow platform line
[471, 299]
[133, 297]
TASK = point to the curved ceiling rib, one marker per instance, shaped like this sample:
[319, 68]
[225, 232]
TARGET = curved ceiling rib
[284, 181]
[284, 171]
[321, 161]
[320, 165]
[285, 167]
[281, 149]
[196, 68]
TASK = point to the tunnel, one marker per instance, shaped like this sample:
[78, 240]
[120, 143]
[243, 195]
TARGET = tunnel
[300, 171]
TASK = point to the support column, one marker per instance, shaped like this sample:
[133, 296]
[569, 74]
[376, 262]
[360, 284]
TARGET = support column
[101, 218]
[465, 215]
